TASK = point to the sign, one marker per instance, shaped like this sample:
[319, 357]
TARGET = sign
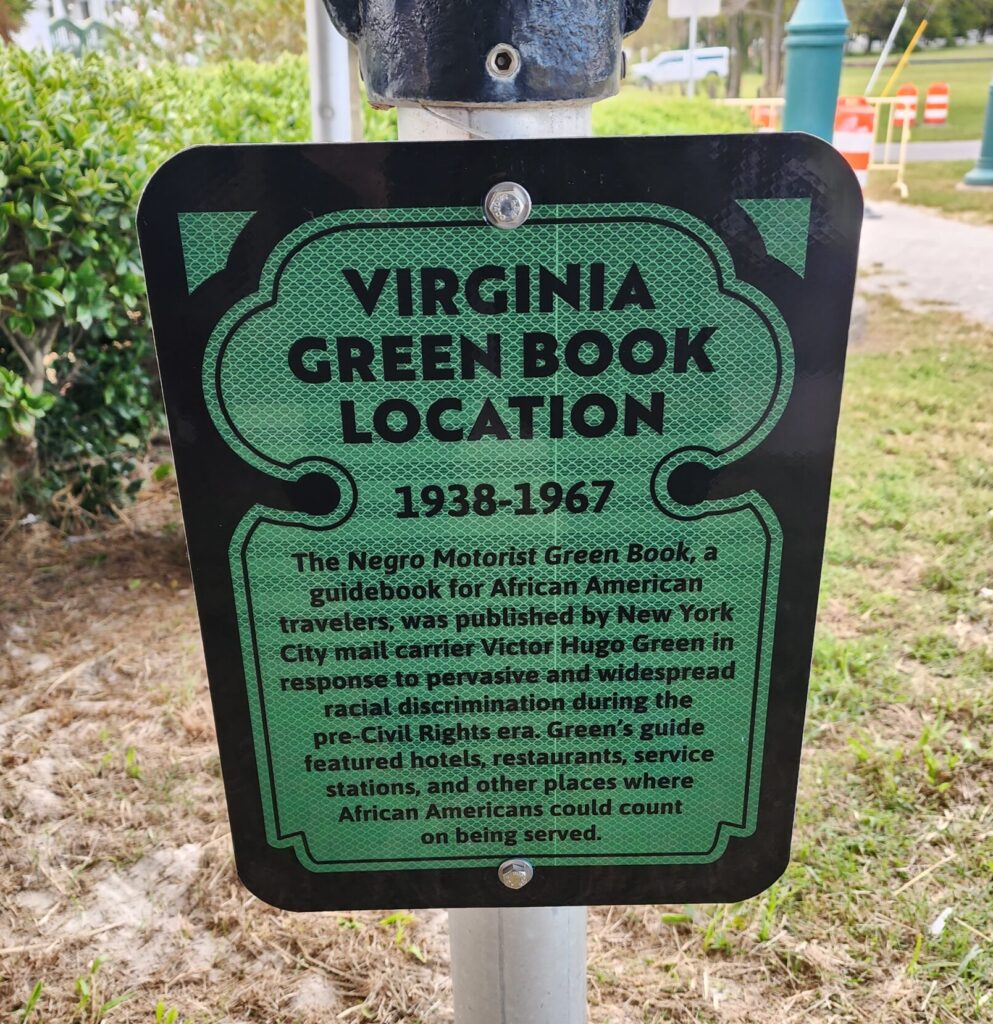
[694, 8]
[506, 543]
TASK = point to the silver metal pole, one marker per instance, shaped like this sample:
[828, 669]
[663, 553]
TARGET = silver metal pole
[454, 124]
[330, 102]
[523, 965]
[519, 966]
[891, 38]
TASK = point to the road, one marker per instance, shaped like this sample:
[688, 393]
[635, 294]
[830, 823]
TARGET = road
[955, 149]
[924, 259]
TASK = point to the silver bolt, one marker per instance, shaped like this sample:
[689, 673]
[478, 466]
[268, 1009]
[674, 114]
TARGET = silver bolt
[516, 873]
[507, 205]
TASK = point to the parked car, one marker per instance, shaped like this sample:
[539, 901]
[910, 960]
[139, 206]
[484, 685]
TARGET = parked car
[674, 66]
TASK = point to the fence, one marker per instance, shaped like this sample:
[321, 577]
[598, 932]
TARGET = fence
[890, 104]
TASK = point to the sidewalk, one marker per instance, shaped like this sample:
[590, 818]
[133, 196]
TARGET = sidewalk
[922, 258]
[954, 149]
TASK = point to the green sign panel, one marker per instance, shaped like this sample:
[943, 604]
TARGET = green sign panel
[493, 581]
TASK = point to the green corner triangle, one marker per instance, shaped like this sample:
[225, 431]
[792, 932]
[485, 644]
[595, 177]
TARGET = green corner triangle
[207, 240]
[783, 225]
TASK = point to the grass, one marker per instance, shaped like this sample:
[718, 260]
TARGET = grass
[967, 70]
[969, 87]
[636, 111]
[934, 184]
[884, 913]
[902, 691]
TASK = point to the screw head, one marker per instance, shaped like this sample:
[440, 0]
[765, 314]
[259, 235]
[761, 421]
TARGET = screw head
[503, 62]
[516, 873]
[507, 205]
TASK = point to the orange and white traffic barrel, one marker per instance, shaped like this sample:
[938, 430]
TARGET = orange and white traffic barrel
[762, 116]
[936, 103]
[855, 133]
[905, 107]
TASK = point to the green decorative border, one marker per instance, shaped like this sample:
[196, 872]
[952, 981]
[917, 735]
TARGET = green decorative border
[751, 501]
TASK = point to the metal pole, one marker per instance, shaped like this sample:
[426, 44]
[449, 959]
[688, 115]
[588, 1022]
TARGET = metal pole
[463, 124]
[330, 102]
[815, 45]
[523, 965]
[355, 94]
[901, 63]
[890, 39]
[513, 70]
[982, 174]
[691, 84]
[900, 185]
[519, 966]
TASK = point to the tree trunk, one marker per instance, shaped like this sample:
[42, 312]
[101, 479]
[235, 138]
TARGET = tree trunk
[739, 54]
[21, 450]
[773, 84]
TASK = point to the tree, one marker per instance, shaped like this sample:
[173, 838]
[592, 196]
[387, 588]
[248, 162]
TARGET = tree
[738, 39]
[12, 14]
[199, 31]
[946, 18]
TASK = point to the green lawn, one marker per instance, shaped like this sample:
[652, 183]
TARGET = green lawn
[967, 70]
[636, 111]
[934, 185]
[969, 83]
[894, 823]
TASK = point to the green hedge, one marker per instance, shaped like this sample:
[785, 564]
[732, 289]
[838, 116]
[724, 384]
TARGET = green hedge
[78, 140]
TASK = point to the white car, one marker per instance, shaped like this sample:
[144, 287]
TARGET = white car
[674, 66]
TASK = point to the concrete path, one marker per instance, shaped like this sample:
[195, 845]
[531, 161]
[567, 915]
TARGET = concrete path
[954, 149]
[924, 259]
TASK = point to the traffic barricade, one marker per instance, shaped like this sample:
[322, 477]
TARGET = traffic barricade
[890, 159]
[905, 109]
[855, 134]
[764, 117]
[936, 103]
[765, 112]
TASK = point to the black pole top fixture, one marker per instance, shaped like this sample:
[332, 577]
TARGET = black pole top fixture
[466, 52]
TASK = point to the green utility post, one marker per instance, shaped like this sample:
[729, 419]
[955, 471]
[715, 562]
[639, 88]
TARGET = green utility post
[982, 174]
[815, 44]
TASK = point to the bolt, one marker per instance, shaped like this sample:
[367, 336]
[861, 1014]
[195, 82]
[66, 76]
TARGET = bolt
[507, 205]
[515, 874]
[503, 61]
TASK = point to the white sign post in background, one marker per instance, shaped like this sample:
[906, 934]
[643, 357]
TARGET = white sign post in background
[693, 9]
[330, 98]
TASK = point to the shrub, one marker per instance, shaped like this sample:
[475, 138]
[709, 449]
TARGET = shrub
[78, 140]
[73, 156]
[20, 407]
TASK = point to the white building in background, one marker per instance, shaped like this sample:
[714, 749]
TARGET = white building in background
[37, 33]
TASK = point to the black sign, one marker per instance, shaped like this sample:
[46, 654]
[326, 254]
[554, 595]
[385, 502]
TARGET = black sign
[506, 543]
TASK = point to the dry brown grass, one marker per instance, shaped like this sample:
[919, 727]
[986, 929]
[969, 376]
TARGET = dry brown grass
[115, 841]
[113, 825]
